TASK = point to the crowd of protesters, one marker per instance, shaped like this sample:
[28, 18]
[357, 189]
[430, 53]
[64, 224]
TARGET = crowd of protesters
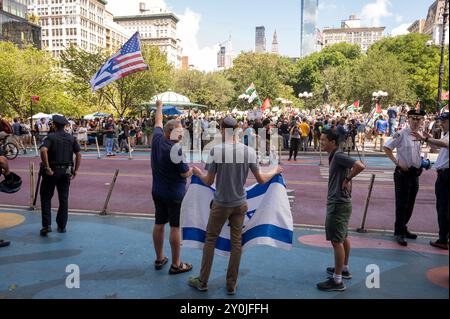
[298, 131]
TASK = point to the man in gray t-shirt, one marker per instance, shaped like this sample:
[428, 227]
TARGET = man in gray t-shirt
[229, 164]
[339, 208]
[231, 177]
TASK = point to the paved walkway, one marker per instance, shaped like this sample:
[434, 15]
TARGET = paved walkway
[115, 257]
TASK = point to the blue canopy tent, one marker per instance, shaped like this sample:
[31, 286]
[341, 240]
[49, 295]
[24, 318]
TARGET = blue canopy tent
[169, 110]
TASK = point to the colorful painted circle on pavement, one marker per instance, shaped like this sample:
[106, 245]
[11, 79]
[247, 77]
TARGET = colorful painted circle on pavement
[439, 276]
[8, 220]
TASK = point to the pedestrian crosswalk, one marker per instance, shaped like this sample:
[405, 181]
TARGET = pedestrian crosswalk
[366, 175]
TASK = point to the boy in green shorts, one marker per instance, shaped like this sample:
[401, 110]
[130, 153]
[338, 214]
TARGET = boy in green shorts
[339, 208]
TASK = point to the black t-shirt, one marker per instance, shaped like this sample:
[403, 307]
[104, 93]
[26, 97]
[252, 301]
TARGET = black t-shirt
[109, 127]
[61, 147]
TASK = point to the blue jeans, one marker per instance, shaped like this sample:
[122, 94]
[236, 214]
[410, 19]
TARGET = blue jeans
[286, 141]
[392, 127]
[109, 142]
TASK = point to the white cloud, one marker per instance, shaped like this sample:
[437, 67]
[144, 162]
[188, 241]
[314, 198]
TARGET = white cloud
[373, 12]
[401, 29]
[398, 18]
[204, 59]
[327, 6]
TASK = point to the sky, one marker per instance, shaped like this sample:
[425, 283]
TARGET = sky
[206, 23]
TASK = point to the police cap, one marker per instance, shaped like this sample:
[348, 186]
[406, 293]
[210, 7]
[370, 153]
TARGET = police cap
[415, 113]
[59, 119]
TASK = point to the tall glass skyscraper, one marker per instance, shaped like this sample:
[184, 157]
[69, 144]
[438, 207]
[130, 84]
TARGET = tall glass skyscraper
[310, 10]
[14, 25]
[260, 40]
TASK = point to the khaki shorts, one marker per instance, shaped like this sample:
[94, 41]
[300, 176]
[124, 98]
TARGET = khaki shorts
[336, 224]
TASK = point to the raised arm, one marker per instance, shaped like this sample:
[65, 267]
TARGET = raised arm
[159, 115]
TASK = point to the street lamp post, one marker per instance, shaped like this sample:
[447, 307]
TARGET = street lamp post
[377, 96]
[442, 66]
[305, 95]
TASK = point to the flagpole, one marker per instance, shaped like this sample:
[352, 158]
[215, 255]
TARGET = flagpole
[31, 117]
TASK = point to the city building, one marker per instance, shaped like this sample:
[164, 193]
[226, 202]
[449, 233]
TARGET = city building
[158, 28]
[275, 43]
[352, 32]
[260, 40]
[70, 22]
[14, 24]
[225, 55]
[185, 63]
[115, 34]
[417, 26]
[433, 23]
[308, 26]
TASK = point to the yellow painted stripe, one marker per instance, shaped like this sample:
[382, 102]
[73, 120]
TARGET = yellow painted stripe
[8, 220]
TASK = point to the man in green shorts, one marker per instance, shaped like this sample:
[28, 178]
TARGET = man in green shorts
[339, 208]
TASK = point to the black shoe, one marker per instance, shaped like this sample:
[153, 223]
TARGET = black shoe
[331, 285]
[61, 230]
[439, 244]
[401, 240]
[345, 274]
[45, 231]
[4, 243]
[410, 235]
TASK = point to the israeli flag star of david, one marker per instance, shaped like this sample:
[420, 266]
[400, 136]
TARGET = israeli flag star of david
[267, 222]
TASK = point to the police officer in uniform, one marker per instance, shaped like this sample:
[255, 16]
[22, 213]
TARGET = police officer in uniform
[441, 186]
[57, 169]
[406, 176]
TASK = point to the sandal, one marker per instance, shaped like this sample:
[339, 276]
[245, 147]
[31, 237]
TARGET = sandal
[159, 264]
[183, 267]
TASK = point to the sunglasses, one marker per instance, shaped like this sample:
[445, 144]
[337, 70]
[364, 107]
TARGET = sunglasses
[416, 118]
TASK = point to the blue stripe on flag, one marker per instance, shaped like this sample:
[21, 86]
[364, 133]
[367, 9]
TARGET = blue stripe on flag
[198, 181]
[103, 80]
[267, 230]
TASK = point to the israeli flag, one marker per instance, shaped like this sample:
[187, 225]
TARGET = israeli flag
[267, 222]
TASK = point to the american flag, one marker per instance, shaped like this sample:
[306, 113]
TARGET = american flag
[125, 62]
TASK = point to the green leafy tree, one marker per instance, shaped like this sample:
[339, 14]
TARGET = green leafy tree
[310, 75]
[24, 73]
[269, 72]
[382, 72]
[422, 62]
[211, 89]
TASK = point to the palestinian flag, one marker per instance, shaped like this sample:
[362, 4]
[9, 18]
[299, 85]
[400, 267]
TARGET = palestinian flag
[266, 105]
[378, 109]
[253, 95]
[354, 107]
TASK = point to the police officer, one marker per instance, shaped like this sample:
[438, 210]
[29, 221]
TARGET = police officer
[441, 185]
[407, 172]
[57, 170]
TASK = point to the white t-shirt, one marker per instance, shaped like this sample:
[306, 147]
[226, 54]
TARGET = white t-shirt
[442, 160]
